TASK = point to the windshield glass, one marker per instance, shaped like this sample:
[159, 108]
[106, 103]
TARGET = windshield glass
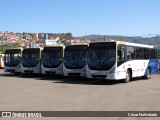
[75, 56]
[101, 56]
[12, 57]
[30, 57]
[52, 57]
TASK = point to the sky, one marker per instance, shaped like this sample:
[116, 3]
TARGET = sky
[81, 17]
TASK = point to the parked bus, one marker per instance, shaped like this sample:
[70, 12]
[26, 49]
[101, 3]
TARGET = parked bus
[12, 60]
[121, 60]
[75, 60]
[31, 60]
[52, 60]
[1, 60]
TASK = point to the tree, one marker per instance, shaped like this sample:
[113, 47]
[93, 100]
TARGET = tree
[4, 47]
[69, 34]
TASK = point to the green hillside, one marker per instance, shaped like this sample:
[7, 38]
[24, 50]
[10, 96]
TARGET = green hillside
[4, 47]
[149, 41]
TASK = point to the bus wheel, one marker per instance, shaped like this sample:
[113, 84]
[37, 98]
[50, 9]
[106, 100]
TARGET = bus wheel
[148, 74]
[128, 77]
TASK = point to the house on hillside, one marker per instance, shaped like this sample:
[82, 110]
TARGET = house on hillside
[53, 42]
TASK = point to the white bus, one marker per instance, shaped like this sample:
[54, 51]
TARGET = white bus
[121, 60]
[12, 60]
[1, 60]
[52, 60]
[31, 60]
[75, 60]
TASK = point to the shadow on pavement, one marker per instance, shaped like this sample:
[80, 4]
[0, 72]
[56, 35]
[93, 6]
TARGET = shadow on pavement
[32, 76]
[86, 81]
[67, 80]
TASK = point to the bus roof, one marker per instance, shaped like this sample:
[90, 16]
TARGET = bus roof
[14, 49]
[53, 47]
[32, 48]
[129, 43]
[78, 45]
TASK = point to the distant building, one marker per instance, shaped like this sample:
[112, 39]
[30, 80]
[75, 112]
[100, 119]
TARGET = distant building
[52, 42]
[34, 45]
[46, 36]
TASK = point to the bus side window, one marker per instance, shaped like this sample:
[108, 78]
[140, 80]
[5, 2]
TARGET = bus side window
[146, 53]
[129, 55]
[156, 54]
[152, 54]
[130, 52]
[139, 53]
[121, 55]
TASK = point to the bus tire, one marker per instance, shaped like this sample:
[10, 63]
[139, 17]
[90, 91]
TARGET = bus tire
[148, 74]
[128, 77]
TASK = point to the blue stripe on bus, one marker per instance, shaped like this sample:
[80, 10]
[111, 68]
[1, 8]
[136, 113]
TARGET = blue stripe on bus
[155, 47]
[153, 64]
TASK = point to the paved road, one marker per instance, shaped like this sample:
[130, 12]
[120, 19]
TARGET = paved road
[43, 93]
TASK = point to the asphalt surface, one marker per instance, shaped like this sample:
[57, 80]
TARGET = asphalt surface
[48, 93]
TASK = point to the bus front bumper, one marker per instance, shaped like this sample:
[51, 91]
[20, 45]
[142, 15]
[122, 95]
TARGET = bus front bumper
[102, 75]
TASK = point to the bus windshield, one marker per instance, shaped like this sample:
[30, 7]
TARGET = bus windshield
[12, 57]
[101, 56]
[75, 56]
[30, 57]
[52, 57]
